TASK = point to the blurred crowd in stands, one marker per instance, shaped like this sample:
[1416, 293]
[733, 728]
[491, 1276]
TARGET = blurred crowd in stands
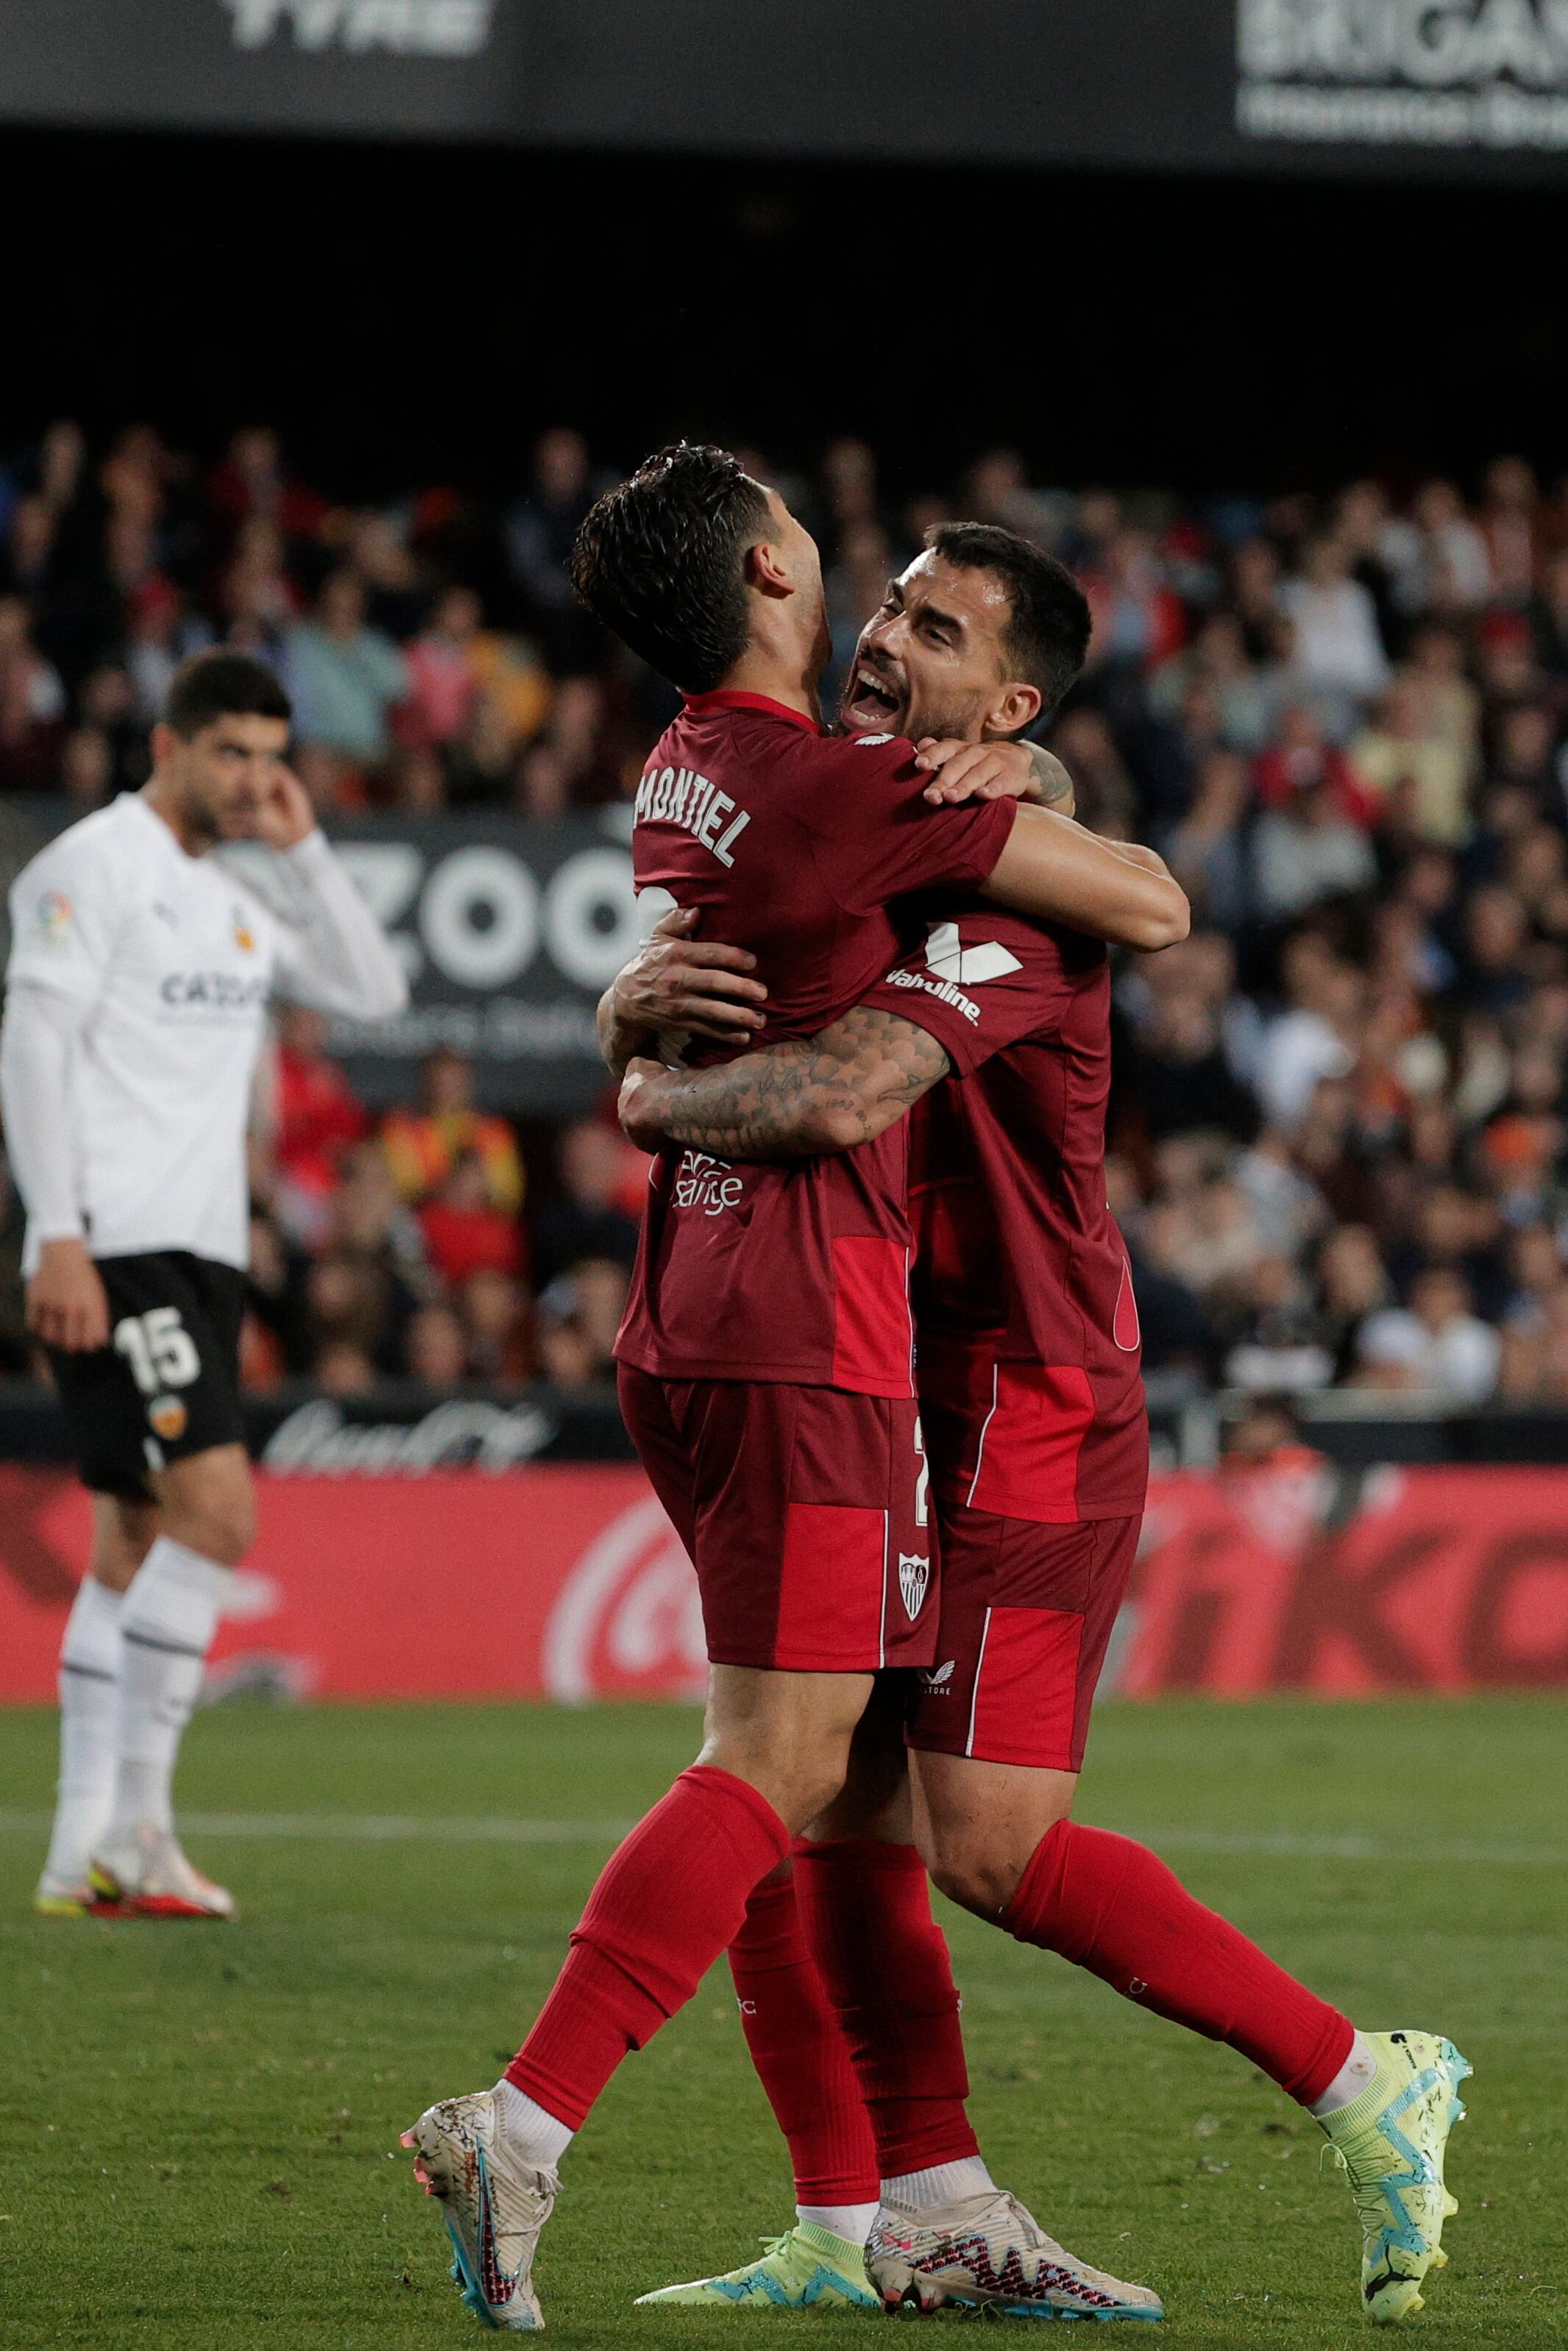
[1338, 1137]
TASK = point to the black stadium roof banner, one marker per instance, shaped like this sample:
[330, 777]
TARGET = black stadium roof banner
[1396, 88]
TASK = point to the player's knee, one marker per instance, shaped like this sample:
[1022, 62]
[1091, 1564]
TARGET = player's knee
[974, 1877]
[230, 1533]
[222, 1527]
[799, 1782]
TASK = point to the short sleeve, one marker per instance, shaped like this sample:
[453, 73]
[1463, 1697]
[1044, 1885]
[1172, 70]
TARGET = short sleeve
[875, 837]
[63, 922]
[981, 981]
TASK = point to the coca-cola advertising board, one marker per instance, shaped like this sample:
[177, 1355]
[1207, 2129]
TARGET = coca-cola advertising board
[567, 1582]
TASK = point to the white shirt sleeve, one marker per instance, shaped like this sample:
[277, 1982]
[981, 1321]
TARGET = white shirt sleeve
[64, 918]
[331, 952]
[37, 1044]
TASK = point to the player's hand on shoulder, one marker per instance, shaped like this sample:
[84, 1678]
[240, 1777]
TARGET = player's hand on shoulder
[641, 1092]
[287, 815]
[977, 771]
[66, 1304]
[675, 981]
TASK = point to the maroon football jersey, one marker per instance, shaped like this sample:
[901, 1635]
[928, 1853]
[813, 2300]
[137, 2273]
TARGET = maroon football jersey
[792, 843]
[1028, 1352]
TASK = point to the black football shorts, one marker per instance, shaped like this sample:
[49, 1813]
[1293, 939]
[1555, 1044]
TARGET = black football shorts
[167, 1385]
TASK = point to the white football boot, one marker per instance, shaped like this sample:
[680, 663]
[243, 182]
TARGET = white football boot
[989, 2253]
[146, 1875]
[496, 2206]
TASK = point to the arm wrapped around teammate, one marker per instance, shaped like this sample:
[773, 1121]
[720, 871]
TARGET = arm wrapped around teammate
[796, 1100]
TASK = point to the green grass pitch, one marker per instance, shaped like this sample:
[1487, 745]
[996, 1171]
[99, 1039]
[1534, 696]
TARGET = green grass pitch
[199, 2122]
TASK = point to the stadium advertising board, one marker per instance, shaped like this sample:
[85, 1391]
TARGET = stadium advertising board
[1452, 86]
[509, 932]
[567, 1582]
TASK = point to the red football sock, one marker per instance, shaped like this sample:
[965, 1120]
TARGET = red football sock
[1112, 1907]
[866, 1911]
[667, 1902]
[800, 2055]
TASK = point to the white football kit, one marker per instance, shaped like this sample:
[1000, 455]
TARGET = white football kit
[167, 962]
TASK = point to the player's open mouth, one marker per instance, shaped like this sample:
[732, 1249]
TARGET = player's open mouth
[872, 702]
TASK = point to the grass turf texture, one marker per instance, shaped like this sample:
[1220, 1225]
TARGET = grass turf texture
[198, 2120]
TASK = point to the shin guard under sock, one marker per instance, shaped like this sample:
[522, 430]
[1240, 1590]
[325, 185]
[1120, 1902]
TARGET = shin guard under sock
[670, 1899]
[1112, 1907]
[801, 2057]
[866, 1911]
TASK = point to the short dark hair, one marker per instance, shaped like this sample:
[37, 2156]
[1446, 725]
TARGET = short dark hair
[1046, 634]
[219, 685]
[660, 560]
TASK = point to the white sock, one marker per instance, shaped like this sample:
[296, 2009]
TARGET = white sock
[1353, 2076]
[166, 1628]
[90, 1720]
[849, 2221]
[944, 2183]
[538, 2138]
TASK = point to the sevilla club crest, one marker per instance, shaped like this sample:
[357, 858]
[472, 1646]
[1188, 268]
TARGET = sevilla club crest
[914, 1576]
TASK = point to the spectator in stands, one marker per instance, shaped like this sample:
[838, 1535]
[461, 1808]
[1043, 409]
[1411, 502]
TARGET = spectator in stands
[1211, 851]
[1456, 569]
[580, 1313]
[495, 1322]
[1338, 652]
[316, 1121]
[1435, 1343]
[539, 533]
[1306, 851]
[422, 1146]
[1402, 757]
[33, 706]
[593, 1215]
[86, 768]
[464, 1233]
[443, 673]
[344, 676]
[435, 1351]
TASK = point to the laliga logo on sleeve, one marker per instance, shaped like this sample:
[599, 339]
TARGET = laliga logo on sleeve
[966, 966]
[914, 1576]
[53, 916]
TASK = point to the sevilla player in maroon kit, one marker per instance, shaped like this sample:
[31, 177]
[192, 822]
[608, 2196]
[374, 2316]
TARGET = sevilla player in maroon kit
[1033, 1416]
[767, 1352]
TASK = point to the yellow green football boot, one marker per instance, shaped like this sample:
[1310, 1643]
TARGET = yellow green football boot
[807, 2268]
[1390, 2144]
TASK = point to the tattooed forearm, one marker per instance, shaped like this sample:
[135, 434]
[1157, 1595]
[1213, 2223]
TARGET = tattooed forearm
[796, 1101]
[1055, 785]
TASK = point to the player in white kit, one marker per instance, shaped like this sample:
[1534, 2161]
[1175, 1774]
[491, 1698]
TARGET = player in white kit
[142, 963]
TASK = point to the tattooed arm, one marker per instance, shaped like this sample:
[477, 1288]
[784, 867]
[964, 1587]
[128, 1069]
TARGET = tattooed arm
[795, 1101]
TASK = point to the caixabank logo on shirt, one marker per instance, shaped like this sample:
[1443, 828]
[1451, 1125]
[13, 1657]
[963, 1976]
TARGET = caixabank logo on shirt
[1429, 73]
[418, 28]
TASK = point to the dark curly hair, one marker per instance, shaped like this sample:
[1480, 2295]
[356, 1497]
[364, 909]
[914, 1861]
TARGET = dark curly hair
[660, 560]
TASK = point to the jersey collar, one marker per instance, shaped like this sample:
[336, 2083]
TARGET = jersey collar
[731, 699]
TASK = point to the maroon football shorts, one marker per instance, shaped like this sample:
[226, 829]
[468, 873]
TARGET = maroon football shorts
[1026, 1613]
[803, 1510]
